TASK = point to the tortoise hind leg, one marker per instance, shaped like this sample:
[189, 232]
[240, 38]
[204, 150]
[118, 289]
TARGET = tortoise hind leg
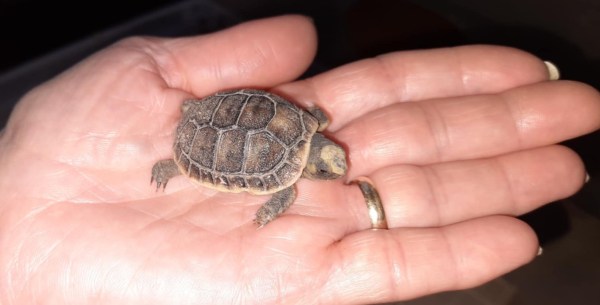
[162, 171]
[278, 203]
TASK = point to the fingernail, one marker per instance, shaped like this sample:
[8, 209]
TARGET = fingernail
[553, 72]
[540, 251]
[309, 18]
[587, 178]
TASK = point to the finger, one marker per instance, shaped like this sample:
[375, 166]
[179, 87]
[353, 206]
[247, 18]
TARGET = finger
[470, 127]
[446, 193]
[383, 266]
[261, 53]
[360, 87]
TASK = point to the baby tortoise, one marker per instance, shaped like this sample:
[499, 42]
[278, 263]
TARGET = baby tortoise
[253, 141]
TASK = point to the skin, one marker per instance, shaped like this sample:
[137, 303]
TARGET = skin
[476, 145]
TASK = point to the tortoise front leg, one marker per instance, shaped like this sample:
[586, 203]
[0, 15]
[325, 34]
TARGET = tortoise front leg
[162, 171]
[278, 203]
[320, 116]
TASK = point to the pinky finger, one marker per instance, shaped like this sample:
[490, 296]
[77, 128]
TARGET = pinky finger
[400, 264]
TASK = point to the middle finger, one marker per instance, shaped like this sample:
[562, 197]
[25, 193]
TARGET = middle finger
[446, 193]
[463, 128]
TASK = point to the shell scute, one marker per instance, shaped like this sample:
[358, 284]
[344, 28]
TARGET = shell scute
[230, 152]
[228, 111]
[204, 145]
[285, 117]
[257, 113]
[264, 153]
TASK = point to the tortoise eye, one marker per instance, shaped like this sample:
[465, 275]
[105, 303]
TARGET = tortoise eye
[322, 168]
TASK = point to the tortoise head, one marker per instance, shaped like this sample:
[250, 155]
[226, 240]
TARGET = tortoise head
[326, 160]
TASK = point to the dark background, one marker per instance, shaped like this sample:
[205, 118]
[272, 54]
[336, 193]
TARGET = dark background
[41, 38]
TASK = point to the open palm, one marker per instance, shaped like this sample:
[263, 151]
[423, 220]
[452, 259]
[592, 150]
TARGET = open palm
[81, 224]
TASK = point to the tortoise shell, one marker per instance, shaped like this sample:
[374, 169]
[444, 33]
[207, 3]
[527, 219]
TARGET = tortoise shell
[243, 140]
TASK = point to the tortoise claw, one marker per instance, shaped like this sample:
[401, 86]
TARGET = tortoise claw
[159, 184]
[162, 171]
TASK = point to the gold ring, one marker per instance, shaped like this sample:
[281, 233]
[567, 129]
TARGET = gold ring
[374, 205]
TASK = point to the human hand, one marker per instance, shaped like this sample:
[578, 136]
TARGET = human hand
[456, 140]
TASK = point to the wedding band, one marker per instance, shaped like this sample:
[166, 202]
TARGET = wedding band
[374, 205]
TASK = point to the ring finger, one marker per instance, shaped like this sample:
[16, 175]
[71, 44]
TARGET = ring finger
[446, 193]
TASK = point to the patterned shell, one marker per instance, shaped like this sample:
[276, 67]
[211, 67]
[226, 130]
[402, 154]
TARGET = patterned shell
[245, 140]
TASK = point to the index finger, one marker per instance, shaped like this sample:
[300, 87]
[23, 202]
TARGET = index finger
[350, 91]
